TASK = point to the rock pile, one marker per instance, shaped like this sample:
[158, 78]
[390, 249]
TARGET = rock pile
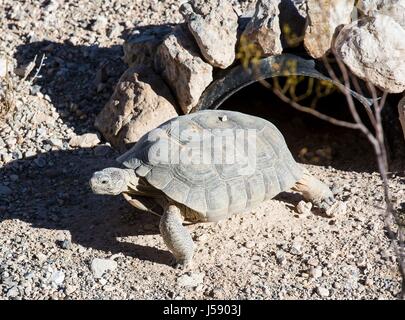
[171, 66]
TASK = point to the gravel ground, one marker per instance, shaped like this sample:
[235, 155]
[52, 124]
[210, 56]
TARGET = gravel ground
[59, 241]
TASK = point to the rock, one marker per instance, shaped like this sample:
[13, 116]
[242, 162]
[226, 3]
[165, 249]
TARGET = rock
[315, 272]
[42, 118]
[339, 208]
[368, 282]
[87, 140]
[52, 6]
[190, 280]
[280, 257]
[296, 247]
[264, 28]
[313, 262]
[141, 47]
[115, 31]
[214, 26]
[367, 7]
[11, 142]
[392, 8]
[3, 66]
[178, 61]
[35, 89]
[304, 207]
[401, 113]
[216, 293]
[322, 292]
[5, 191]
[13, 292]
[41, 257]
[56, 142]
[100, 266]
[293, 20]
[250, 244]
[65, 244]
[324, 17]
[203, 238]
[69, 289]
[62, 235]
[141, 101]
[108, 288]
[6, 157]
[57, 277]
[99, 25]
[374, 48]
[199, 288]
[29, 153]
[351, 283]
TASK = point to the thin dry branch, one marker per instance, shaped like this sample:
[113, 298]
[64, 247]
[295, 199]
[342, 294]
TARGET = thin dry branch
[7, 100]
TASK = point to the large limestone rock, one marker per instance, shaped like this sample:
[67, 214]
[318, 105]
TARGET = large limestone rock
[182, 68]
[141, 46]
[369, 6]
[141, 101]
[264, 28]
[374, 50]
[293, 21]
[214, 26]
[323, 19]
[396, 11]
[393, 8]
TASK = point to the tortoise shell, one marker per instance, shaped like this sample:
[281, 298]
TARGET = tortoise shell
[224, 176]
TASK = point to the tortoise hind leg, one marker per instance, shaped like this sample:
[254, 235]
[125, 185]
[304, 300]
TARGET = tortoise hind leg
[315, 191]
[176, 236]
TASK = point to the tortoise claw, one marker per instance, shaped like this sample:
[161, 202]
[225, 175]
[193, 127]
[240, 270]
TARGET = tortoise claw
[327, 202]
[181, 264]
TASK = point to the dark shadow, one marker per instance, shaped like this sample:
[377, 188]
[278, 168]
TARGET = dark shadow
[79, 79]
[314, 141]
[291, 201]
[142, 32]
[54, 193]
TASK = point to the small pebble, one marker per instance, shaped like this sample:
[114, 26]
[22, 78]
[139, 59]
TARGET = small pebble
[304, 207]
[322, 292]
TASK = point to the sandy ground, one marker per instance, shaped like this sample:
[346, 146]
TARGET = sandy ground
[52, 227]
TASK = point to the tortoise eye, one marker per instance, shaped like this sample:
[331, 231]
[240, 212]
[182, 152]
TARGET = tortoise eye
[104, 181]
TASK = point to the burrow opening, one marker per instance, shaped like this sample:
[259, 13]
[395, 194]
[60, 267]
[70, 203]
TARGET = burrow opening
[310, 139]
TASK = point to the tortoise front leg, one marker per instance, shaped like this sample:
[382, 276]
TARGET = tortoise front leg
[315, 191]
[176, 236]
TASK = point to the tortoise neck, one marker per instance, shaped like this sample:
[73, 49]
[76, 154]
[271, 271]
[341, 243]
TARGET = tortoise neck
[132, 182]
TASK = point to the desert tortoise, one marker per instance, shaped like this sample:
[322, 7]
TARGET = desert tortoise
[175, 166]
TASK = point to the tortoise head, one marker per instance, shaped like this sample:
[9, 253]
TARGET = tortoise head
[112, 181]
